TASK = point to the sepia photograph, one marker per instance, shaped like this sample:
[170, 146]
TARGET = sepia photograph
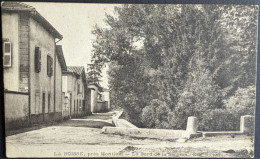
[129, 80]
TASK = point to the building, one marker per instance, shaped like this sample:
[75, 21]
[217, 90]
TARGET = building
[98, 98]
[33, 66]
[74, 88]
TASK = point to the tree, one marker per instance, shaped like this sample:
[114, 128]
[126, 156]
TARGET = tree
[192, 58]
[94, 73]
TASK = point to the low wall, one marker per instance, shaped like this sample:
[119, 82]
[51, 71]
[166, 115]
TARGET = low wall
[144, 133]
[124, 127]
[121, 122]
[17, 112]
[16, 109]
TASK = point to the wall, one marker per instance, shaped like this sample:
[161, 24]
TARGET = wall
[64, 83]
[65, 106]
[88, 100]
[16, 110]
[10, 31]
[101, 107]
[24, 56]
[40, 82]
[93, 97]
[80, 97]
[58, 91]
[106, 98]
[77, 98]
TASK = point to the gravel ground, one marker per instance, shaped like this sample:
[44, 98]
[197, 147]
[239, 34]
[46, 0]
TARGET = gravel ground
[83, 138]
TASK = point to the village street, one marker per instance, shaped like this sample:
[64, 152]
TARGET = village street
[83, 138]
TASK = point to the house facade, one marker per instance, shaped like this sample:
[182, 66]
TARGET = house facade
[32, 66]
[74, 88]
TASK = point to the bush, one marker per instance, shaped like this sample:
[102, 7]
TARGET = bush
[158, 115]
[242, 103]
[148, 117]
[155, 115]
[243, 100]
[219, 120]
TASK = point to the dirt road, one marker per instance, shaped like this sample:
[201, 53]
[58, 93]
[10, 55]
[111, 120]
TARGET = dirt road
[83, 138]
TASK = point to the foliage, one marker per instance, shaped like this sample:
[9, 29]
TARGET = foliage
[194, 59]
[94, 73]
[244, 99]
[242, 103]
[155, 114]
[220, 120]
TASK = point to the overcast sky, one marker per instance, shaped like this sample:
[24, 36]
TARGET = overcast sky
[75, 22]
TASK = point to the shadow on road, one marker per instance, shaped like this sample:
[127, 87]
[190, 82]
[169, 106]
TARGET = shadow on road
[96, 120]
[30, 128]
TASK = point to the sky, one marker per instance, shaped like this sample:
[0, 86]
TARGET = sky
[75, 21]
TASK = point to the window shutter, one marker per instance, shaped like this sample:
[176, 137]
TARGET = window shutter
[37, 60]
[7, 48]
[49, 66]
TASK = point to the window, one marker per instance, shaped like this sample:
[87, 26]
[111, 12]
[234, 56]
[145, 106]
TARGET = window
[74, 106]
[37, 104]
[77, 105]
[7, 54]
[83, 105]
[43, 103]
[49, 66]
[37, 60]
[79, 89]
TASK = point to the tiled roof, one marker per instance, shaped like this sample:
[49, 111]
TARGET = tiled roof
[17, 6]
[75, 69]
[61, 57]
[78, 70]
[21, 7]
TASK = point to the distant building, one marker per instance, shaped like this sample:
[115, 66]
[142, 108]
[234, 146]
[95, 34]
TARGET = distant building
[32, 66]
[74, 88]
[98, 98]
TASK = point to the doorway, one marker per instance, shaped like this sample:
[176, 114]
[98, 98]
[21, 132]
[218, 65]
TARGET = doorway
[43, 105]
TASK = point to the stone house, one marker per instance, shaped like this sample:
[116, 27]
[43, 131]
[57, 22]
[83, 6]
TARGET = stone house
[74, 88]
[32, 66]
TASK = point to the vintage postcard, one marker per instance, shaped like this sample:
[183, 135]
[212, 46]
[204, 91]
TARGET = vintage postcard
[129, 80]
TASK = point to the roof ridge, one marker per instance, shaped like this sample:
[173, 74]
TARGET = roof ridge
[26, 5]
[9, 6]
[75, 69]
[19, 4]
